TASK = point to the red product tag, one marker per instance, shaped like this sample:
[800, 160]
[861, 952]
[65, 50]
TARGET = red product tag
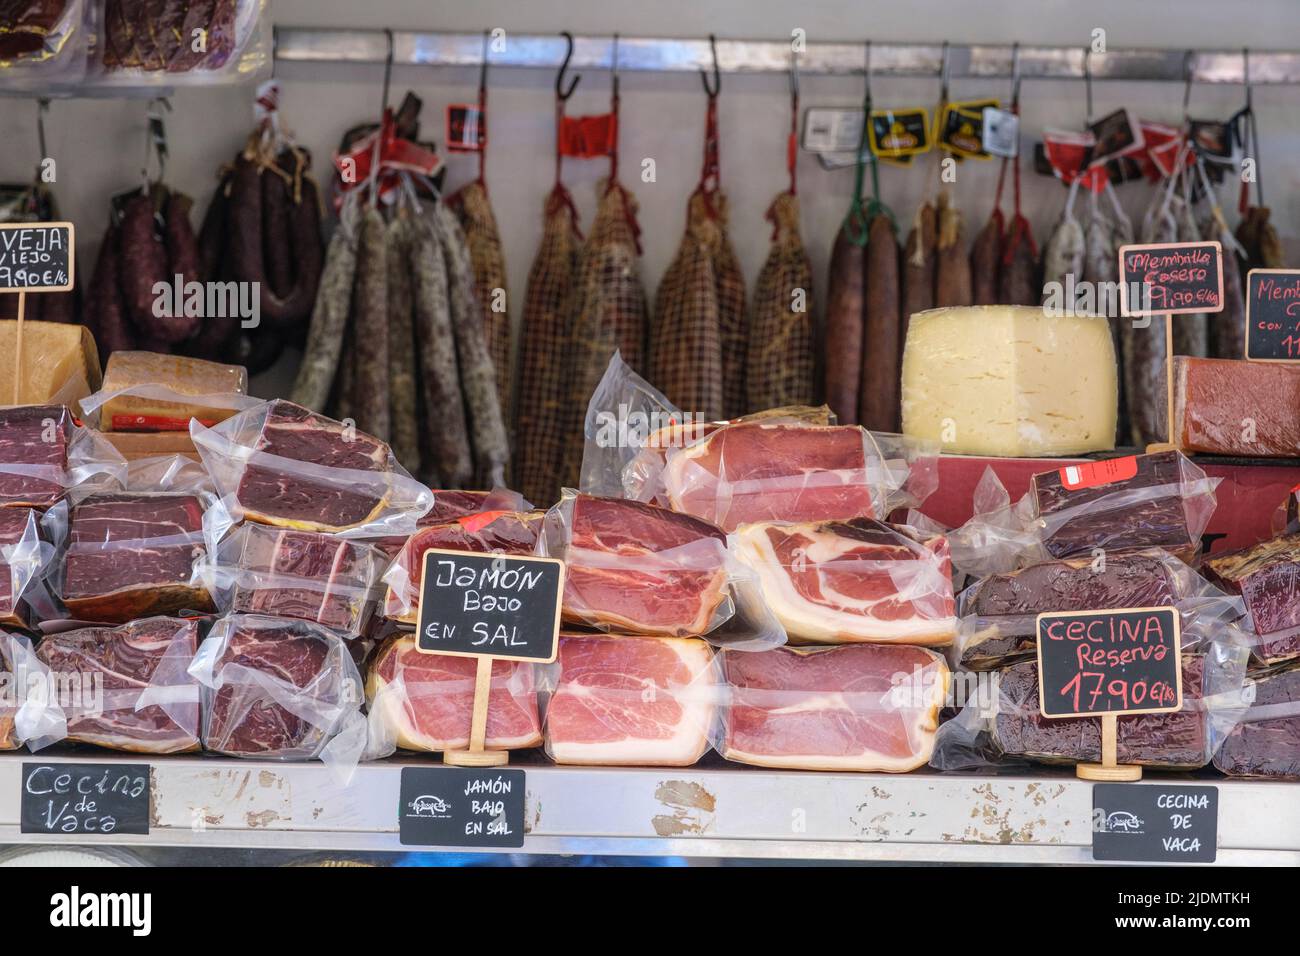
[395, 154]
[1066, 153]
[466, 129]
[156, 423]
[477, 522]
[1096, 473]
[588, 137]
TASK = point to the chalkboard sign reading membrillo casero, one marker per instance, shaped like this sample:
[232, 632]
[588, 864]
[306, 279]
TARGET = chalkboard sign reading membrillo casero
[476, 605]
[36, 256]
[1273, 315]
[1123, 661]
[1171, 278]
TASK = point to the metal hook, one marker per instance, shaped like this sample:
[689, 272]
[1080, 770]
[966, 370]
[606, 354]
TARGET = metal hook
[1245, 75]
[1015, 74]
[560, 93]
[943, 72]
[1187, 81]
[614, 66]
[794, 75]
[42, 107]
[1087, 81]
[717, 78]
[275, 47]
[388, 72]
[866, 72]
[483, 64]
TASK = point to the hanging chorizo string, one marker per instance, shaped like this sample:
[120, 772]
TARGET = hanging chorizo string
[882, 349]
[780, 360]
[478, 221]
[541, 418]
[609, 307]
[697, 354]
[1018, 278]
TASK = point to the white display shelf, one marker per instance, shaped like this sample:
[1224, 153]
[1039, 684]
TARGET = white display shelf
[718, 810]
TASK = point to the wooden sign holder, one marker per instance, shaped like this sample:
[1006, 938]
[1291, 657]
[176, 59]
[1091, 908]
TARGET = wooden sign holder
[1109, 770]
[22, 294]
[476, 755]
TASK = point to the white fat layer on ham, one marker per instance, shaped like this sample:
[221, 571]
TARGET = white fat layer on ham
[844, 619]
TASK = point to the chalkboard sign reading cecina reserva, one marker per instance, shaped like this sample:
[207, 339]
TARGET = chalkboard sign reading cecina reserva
[1273, 315]
[36, 257]
[1171, 278]
[490, 605]
[1115, 662]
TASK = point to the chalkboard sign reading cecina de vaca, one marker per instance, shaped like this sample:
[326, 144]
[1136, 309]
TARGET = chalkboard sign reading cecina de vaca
[1123, 661]
[1273, 315]
[82, 798]
[1171, 278]
[493, 605]
[36, 257]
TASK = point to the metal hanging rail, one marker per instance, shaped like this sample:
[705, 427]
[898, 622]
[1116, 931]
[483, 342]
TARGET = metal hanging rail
[544, 51]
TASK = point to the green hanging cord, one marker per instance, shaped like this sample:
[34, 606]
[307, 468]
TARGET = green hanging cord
[857, 221]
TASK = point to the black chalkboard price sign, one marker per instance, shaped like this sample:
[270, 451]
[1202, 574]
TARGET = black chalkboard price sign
[455, 806]
[501, 606]
[1171, 278]
[1109, 662]
[1155, 823]
[36, 256]
[1273, 315]
[491, 607]
[1106, 664]
[85, 798]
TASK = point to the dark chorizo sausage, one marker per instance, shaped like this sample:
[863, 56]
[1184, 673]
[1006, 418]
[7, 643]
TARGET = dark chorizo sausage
[845, 307]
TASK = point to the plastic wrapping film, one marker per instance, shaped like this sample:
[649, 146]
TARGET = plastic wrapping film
[281, 464]
[635, 568]
[1231, 407]
[425, 702]
[999, 722]
[24, 557]
[279, 689]
[862, 580]
[44, 42]
[451, 504]
[1162, 500]
[17, 661]
[783, 470]
[1267, 576]
[999, 612]
[125, 688]
[1265, 742]
[149, 392]
[860, 707]
[44, 454]
[125, 555]
[178, 44]
[487, 532]
[631, 426]
[630, 701]
[259, 569]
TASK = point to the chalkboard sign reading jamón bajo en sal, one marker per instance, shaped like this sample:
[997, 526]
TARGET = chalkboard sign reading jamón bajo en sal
[491, 605]
[488, 606]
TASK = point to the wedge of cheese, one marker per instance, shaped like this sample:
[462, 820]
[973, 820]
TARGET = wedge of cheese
[1010, 381]
[60, 364]
[165, 391]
